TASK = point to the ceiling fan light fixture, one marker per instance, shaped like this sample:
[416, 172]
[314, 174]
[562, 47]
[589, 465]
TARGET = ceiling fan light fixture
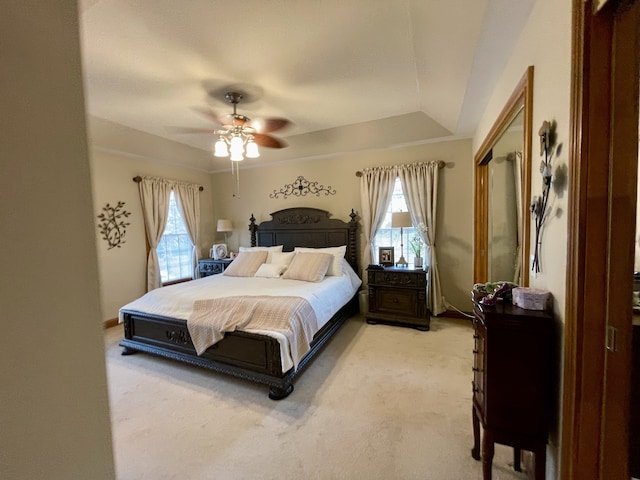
[220, 149]
[236, 148]
[236, 143]
[239, 136]
[252, 149]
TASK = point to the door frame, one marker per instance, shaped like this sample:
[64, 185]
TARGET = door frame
[592, 260]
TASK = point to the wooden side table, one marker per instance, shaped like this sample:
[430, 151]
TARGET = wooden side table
[398, 295]
[513, 374]
[212, 266]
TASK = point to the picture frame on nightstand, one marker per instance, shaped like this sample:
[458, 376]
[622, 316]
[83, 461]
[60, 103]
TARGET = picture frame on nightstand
[386, 256]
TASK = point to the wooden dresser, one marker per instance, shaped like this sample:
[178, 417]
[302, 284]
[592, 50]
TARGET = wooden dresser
[212, 266]
[513, 382]
[398, 295]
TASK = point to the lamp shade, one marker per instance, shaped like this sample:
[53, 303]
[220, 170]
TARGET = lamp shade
[224, 225]
[252, 149]
[400, 220]
[221, 149]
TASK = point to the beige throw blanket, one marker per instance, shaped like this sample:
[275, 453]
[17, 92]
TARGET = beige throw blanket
[291, 316]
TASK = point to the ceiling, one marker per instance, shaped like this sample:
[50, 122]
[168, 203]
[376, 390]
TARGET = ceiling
[351, 75]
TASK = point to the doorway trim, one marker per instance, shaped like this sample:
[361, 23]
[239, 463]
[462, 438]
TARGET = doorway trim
[584, 422]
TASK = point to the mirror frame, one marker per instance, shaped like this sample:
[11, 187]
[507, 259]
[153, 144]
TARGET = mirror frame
[520, 99]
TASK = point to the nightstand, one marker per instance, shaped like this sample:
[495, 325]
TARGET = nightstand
[212, 266]
[398, 295]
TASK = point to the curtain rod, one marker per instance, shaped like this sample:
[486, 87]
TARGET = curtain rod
[138, 179]
[440, 163]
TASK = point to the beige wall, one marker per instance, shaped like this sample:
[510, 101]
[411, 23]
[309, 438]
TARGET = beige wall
[545, 43]
[123, 270]
[54, 414]
[551, 102]
[455, 221]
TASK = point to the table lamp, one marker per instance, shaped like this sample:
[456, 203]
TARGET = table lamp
[224, 225]
[401, 220]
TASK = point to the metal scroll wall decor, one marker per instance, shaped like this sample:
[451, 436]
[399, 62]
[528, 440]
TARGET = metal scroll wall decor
[539, 205]
[301, 187]
[112, 226]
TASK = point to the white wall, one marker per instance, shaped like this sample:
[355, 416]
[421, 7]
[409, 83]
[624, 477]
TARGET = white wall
[455, 220]
[54, 415]
[123, 270]
[545, 43]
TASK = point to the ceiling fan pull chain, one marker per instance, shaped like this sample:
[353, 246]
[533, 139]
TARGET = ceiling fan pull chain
[235, 173]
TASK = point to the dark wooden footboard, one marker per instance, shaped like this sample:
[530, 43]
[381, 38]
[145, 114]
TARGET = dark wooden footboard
[259, 353]
[245, 355]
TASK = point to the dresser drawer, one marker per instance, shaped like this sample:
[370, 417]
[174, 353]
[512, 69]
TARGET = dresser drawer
[478, 365]
[209, 266]
[397, 300]
[405, 279]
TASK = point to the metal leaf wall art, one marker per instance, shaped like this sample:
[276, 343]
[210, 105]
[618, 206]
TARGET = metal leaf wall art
[301, 187]
[549, 148]
[112, 226]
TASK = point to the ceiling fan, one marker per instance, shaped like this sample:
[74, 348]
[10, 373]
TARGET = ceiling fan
[238, 135]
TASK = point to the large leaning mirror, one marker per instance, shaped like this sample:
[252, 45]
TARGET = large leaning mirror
[502, 190]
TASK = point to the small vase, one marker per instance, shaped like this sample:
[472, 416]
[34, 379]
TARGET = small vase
[418, 262]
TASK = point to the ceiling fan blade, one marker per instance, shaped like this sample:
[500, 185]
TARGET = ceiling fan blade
[210, 114]
[268, 125]
[188, 130]
[265, 140]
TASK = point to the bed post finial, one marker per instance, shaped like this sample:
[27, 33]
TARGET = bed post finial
[252, 228]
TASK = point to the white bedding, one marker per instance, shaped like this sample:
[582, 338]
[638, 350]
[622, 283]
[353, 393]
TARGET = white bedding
[325, 297]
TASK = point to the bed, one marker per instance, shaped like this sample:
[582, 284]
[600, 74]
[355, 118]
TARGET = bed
[254, 355]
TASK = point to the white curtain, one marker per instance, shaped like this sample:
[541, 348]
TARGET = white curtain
[188, 198]
[376, 187]
[420, 186]
[517, 178]
[154, 196]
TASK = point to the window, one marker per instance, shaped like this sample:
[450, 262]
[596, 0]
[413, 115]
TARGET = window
[175, 247]
[390, 237]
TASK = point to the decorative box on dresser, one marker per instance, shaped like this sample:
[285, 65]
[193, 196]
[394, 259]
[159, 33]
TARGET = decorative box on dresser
[513, 378]
[212, 266]
[398, 295]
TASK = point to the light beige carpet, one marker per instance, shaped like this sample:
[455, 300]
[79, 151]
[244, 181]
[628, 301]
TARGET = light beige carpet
[380, 402]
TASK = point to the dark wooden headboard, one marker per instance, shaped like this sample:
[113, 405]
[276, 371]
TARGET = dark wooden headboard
[306, 227]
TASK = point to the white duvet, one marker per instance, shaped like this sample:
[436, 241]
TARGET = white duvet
[325, 297]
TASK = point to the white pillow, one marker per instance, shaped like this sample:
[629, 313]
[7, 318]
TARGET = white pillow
[269, 250]
[282, 258]
[309, 267]
[270, 270]
[246, 264]
[335, 269]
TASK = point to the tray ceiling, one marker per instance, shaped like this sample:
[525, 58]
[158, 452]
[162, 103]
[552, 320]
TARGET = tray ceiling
[351, 75]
